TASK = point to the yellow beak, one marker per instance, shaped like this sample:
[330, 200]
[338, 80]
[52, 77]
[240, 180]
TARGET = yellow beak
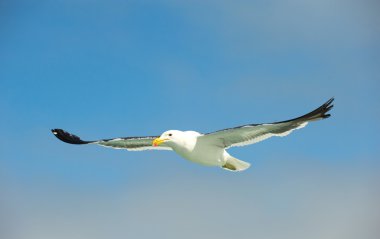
[158, 141]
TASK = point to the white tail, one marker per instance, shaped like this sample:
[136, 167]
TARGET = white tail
[234, 164]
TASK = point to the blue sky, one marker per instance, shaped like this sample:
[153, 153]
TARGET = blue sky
[104, 69]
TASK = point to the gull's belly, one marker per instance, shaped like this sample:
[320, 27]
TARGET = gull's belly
[206, 155]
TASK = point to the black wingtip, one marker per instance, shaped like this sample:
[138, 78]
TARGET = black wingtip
[317, 114]
[326, 107]
[67, 137]
[321, 112]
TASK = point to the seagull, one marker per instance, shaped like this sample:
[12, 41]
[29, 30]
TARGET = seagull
[207, 149]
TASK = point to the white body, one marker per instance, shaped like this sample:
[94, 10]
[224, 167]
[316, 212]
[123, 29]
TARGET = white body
[189, 148]
[192, 146]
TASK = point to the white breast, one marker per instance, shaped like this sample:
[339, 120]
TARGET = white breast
[204, 154]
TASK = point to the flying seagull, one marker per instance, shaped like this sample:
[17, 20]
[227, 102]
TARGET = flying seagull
[207, 149]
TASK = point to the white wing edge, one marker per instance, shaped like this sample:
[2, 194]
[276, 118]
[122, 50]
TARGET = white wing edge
[133, 149]
[265, 136]
[73, 139]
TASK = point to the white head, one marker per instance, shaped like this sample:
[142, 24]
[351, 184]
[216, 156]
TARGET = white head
[177, 139]
[170, 138]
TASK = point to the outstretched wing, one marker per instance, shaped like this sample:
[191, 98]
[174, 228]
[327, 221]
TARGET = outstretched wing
[128, 143]
[253, 133]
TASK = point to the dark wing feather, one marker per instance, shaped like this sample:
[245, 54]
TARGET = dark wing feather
[253, 133]
[129, 143]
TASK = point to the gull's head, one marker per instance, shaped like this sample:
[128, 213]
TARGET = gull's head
[169, 138]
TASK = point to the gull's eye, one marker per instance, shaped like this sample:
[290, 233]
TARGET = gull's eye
[170, 134]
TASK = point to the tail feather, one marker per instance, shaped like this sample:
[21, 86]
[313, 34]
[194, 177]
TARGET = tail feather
[234, 164]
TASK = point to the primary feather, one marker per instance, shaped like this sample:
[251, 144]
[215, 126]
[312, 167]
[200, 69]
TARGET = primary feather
[128, 143]
[253, 133]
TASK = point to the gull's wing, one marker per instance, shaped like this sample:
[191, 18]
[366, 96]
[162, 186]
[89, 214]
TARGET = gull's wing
[128, 143]
[253, 133]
